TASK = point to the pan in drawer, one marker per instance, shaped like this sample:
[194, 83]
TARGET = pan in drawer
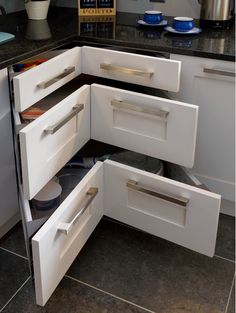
[154, 126]
[33, 85]
[51, 140]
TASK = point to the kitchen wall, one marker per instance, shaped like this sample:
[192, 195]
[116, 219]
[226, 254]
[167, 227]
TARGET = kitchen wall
[12, 5]
[170, 7]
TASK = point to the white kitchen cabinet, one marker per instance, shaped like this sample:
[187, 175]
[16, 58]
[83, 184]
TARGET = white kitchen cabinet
[9, 207]
[174, 207]
[210, 84]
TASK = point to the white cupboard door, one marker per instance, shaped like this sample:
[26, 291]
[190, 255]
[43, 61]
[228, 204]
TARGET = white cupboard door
[180, 213]
[35, 84]
[57, 243]
[157, 127]
[50, 141]
[133, 68]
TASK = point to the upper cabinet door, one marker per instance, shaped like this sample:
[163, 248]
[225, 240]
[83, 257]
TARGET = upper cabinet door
[133, 68]
[51, 140]
[153, 126]
[35, 84]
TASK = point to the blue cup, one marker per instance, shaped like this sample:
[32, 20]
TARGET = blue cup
[183, 24]
[153, 17]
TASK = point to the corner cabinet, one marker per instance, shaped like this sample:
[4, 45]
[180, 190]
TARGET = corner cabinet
[174, 206]
[210, 84]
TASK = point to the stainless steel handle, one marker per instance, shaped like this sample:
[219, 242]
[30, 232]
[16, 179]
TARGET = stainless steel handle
[54, 80]
[125, 70]
[131, 184]
[133, 107]
[65, 228]
[219, 72]
[54, 128]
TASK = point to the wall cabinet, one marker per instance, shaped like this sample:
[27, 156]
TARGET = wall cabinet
[210, 84]
[174, 207]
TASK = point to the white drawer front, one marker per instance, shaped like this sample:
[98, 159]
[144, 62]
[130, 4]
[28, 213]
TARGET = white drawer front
[35, 84]
[53, 250]
[157, 127]
[191, 223]
[43, 154]
[133, 68]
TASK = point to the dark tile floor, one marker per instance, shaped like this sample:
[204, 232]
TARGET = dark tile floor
[124, 270]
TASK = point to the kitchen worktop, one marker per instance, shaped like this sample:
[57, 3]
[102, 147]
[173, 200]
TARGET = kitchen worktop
[64, 26]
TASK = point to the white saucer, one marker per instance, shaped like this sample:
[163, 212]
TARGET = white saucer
[195, 30]
[162, 23]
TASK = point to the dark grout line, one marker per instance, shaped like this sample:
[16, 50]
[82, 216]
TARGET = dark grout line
[221, 257]
[16, 254]
[109, 294]
[12, 297]
[230, 293]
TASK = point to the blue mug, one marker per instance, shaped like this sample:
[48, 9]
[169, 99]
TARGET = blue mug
[183, 24]
[153, 17]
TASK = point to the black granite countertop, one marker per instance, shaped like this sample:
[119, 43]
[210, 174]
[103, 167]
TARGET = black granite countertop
[64, 26]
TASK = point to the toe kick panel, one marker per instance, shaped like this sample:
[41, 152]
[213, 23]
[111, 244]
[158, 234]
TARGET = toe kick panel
[51, 140]
[158, 127]
[57, 243]
[172, 210]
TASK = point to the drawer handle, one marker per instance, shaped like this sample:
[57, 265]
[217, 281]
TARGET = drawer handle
[133, 107]
[219, 72]
[54, 80]
[54, 128]
[173, 199]
[125, 70]
[65, 228]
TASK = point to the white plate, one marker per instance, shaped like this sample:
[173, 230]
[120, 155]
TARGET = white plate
[162, 23]
[195, 30]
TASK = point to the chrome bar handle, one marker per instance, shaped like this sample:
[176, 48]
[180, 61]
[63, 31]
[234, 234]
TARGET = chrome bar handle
[131, 184]
[119, 104]
[219, 72]
[125, 70]
[65, 228]
[49, 83]
[54, 128]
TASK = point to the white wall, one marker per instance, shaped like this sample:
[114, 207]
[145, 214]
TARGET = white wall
[170, 7]
[12, 5]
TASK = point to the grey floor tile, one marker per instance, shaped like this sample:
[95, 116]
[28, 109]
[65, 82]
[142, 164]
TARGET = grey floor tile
[69, 297]
[152, 272]
[14, 240]
[225, 244]
[231, 307]
[13, 273]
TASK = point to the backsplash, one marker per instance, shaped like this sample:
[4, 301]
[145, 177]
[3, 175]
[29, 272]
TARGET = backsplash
[170, 7]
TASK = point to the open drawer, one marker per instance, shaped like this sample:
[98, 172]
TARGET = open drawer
[173, 208]
[58, 242]
[132, 68]
[47, 143]
[157, 127]
[35, 84]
